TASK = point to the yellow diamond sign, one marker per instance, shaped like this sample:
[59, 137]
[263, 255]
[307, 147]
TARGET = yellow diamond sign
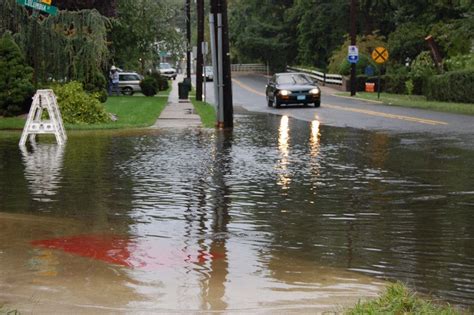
[380, 55]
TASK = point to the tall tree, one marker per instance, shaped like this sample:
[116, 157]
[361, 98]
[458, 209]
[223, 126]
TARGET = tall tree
[141, 29]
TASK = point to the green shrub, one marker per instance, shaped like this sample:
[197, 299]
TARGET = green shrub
[16, 88]
[409, 86]
[460, 62]
[149, 86]
[394, 84]
[79, 107]
[161, 81]
[456, 86]
[97, 84]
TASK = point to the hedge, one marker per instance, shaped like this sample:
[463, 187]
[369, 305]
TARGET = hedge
[455, 86]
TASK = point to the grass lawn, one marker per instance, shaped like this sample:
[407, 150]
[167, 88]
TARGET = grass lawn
[416, 101]
[398, 299]
[132, 112]
[206, 112]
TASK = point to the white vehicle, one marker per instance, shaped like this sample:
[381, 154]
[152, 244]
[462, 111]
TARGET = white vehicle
[167, 71]
[129, 82]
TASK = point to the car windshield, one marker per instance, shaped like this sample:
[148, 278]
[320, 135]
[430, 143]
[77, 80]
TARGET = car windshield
[209, 69]
[165, 66]
[293, 79]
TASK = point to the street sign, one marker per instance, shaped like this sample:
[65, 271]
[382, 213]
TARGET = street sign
[369, 71]
[353, 54]
[48, 2]
[380, 55]
[353, 59]
[39, 5]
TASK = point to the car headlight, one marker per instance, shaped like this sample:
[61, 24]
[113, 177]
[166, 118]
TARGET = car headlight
[284, 92]
[314, 91]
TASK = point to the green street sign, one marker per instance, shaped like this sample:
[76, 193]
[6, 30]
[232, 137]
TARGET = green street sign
[37, 5]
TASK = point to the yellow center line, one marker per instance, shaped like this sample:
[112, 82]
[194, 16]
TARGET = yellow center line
[248, 88]
[386, 115]
[360, 111]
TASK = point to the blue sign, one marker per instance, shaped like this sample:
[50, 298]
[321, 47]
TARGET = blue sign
[369, 71]
[353, 58]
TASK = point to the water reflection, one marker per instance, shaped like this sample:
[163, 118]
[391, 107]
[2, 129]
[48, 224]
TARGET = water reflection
[202, 222]
[213, 284]
[284, 177]
[43, 165]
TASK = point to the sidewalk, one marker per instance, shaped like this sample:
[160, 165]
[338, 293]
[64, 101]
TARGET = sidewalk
[177, 113]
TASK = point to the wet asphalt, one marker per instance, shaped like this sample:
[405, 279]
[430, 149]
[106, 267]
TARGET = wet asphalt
[337, 111]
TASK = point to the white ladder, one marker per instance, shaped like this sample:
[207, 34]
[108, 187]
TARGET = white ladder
[44, 100]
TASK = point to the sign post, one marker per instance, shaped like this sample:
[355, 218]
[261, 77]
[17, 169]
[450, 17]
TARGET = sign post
[380, 56]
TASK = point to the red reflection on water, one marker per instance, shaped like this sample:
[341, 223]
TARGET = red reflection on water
[135, 253]
[108, 248]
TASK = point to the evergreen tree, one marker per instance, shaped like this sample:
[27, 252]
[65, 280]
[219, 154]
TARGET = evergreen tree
[15, 78]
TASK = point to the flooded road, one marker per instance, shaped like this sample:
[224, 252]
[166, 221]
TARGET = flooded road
[280, 215]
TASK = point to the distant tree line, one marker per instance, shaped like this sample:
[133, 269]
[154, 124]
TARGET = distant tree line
[310, 32]
[314, 34]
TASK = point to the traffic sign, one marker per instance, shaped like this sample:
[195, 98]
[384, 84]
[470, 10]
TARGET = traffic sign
[353, 50]
[353, 54]
[48, 2]
[380, 55]
[353, 58]
[39, 5]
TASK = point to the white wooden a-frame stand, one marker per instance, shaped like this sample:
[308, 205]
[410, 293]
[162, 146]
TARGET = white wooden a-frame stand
[44, 100]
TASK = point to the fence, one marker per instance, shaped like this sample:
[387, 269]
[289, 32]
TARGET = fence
[249, 67]
[325, 78]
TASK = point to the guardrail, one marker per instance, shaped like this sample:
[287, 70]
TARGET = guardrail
[249, 67]
[325, 78]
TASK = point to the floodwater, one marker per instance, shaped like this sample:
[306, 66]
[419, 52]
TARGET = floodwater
[278, 216]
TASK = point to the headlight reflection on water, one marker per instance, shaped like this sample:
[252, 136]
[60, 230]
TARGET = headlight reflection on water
[284, 178]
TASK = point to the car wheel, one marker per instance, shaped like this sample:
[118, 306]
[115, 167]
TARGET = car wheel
[269, 102]
[317, 104]
[276, 103]
[127, 91]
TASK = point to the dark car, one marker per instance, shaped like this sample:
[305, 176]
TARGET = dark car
[292, 88]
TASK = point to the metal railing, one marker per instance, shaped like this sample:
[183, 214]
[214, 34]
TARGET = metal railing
[249, 67]
[325, 78]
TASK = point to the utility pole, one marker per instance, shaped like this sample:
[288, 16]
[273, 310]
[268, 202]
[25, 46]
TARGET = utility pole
[228, 102]
[200, 40]
[221, 62]
[188, 41]
[353, 43]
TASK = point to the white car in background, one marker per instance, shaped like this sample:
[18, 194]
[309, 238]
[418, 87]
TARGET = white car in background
[167, 71]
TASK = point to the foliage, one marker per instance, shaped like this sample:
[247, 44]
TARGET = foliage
[140, 31]
[400, 300]
[366, 44]
[258, 32]
[69, 46]
[319, 31]
[149, 86]
[161, 81]
[407, 41]
[456, 86]
[15, 78]
[105, 7]
[77, 106]
[423, 65]
[460, 62]
[454, 37]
